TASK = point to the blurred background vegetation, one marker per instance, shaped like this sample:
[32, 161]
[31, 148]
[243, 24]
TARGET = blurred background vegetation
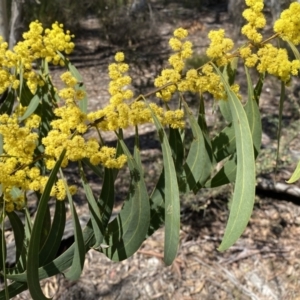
[70, 12]
[119, 19]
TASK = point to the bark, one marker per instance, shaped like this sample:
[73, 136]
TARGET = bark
[235, 7]
[16, 23]
[4, 27]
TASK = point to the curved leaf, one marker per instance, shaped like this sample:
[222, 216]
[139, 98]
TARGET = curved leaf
[61, 263]
[244, 192]
[198, 164]
[25, 94]
[157, 205]
[34, 244]
[227, 173]
[79, 253]
[2, 251]
[94, 210]
[8, 103]
[34, 103]
[296, 174]
[14, 289]
[294, 49]
[177, 148]
[223, 144]
[172, 204]
[52, 244]
[253, 113]
[19, 233]
[107, 196]
[128, 230]
[225, 110]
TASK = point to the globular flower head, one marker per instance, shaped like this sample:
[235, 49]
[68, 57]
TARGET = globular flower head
[249, 57]
[117, 86]
[256, 20]
[172, 76]
[68, 79]
[119, 57]
[219, 46]
[288, 25]
[276, 62]
[180, 33]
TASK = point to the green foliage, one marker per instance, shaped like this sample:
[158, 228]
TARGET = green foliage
[209, 161]
[140, 217]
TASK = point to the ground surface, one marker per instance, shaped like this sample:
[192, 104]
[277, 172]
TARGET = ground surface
[265, 262]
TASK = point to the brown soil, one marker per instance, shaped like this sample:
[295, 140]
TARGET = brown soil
[263, 264]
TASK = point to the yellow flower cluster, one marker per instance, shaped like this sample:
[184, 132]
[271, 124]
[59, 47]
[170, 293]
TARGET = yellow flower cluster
[288, 25]
[276, 62]
[205, 80]
[219, 46]
[171, 77]
[70, 94]
[196, 81]
[120, 113]
[66, 133]
[119, 81]
[249, 57]
[256, 20]
[269, 58]
[175, 118]
[116, 114]
[37, 44]
[6, 78]
[18, 171]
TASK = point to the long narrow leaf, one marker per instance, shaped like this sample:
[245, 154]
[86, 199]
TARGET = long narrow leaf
[177, 148]
[94, 210]
[296, 174]
[34, 244]
[227, 173]
[8, 104]
[244, 192]
[3, 258]
[253, 113]
[19, 233]
[107, 196]
[127, 232]
[2, 250]
[294, 49]
[46, 227]
[61, 263]
[172, 204]
[34, 103]
[198, 163]
[25, 94]
[96, 169]
[52, 244]
[224, 144]
[78, 260]
[13, 289]
[157, 205]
